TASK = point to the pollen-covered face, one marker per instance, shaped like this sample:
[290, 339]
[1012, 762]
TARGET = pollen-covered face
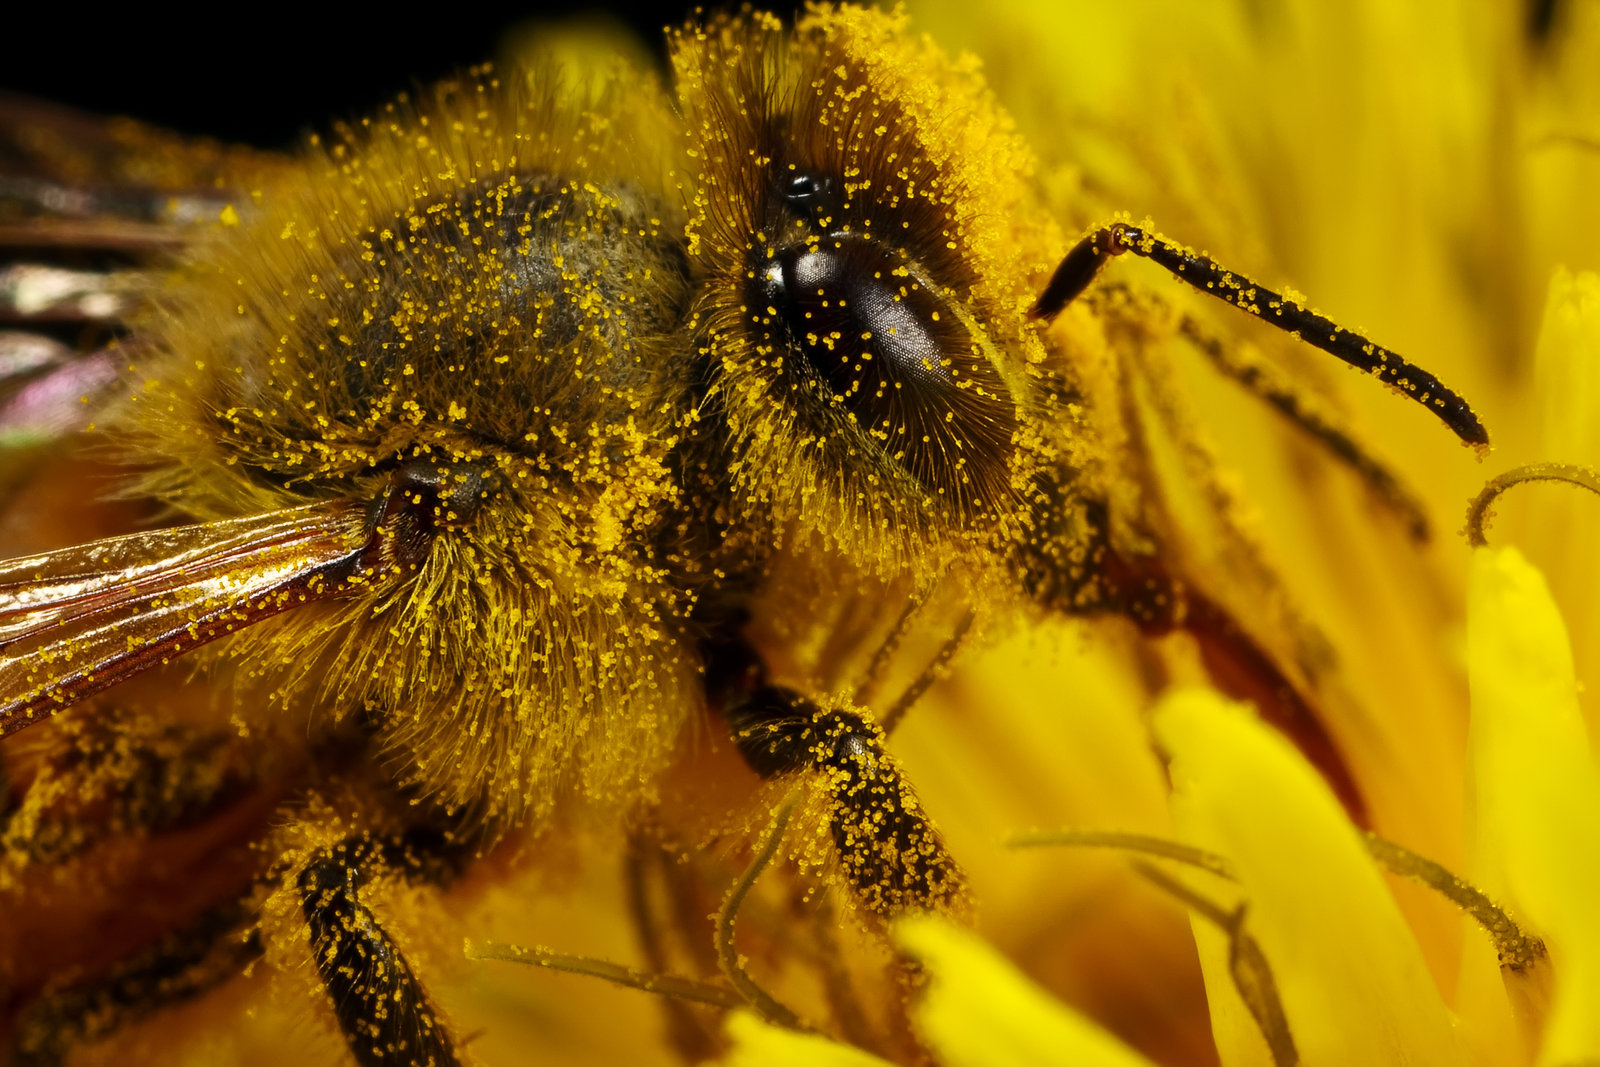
[861, 223]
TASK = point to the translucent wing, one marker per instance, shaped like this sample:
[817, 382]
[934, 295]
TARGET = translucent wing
[82, 619]
[91, 209]
[81, 181]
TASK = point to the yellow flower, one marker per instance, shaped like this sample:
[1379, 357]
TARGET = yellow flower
[976, 1011]
[1339, 959]
[1352, 980]
[759, 1044]
[1425, 172]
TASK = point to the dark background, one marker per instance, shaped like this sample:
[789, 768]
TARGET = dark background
[267, 75]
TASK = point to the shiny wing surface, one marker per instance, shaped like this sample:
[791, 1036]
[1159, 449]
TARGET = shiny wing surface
[79, 620]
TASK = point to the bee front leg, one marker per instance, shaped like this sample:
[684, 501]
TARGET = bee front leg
[889, 850]
[383, 1012]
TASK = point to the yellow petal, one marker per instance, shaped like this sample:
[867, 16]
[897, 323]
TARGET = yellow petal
[1567, 368]
[1352, 981]
[1537, 788]
[1548, 521]
[979, 1012]
[759, 1044]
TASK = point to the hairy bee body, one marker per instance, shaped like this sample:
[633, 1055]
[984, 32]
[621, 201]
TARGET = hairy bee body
[517, 442]
[416, 300]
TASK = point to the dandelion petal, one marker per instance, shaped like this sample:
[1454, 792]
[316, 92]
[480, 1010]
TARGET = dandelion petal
[1351, 978]
[1537, 788]
[760, 1044]
[979, 1012]
[1567, 367]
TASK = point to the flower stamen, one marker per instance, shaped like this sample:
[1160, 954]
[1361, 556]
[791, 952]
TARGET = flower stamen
[1142, 844]
[1479, 513]
[1252, 974]
[1518, 951]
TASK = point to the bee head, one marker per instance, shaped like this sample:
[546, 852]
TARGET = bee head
[865, 288]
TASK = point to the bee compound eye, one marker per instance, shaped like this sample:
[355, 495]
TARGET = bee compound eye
[874, 339]
[864, 329]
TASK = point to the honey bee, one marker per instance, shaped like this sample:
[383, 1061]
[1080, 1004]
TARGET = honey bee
[473, 463]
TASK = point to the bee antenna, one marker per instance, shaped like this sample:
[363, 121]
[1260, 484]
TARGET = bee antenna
[1080, 266]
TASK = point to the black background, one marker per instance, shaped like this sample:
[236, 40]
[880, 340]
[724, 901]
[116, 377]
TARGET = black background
[266, 75]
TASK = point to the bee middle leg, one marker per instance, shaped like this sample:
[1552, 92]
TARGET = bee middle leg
[384, 1014]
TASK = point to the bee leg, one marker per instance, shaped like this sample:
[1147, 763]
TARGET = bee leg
[382, 1010]
[1086, 259]
[889, 850]
[108, 777]
[184, 964]
[929, 674]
